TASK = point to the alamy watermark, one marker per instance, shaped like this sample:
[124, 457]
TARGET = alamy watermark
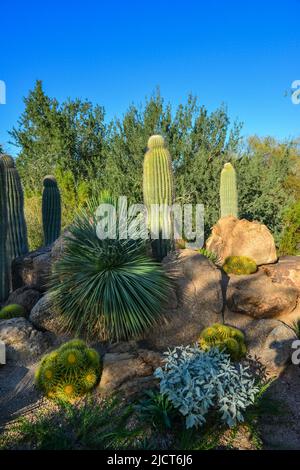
[295, 97]
[2, 92]
[157, 221]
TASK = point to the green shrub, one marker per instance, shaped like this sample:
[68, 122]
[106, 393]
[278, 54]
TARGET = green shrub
[239, 265]
[12, 311]
[106, 288]
[290, 239]
[226, 338]
[209, 254]
[69, 372]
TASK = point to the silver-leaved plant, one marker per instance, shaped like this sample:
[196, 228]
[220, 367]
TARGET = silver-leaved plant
[197, 381]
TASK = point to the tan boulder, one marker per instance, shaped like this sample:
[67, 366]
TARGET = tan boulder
[234, 237]
[257, 296]
[129, 371]
[286, 271]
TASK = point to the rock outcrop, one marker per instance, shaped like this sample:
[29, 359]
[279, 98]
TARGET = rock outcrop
[234, 237]
[197, 288]
[23, 342]
[44, 317]
[25, 296]
[258, 296]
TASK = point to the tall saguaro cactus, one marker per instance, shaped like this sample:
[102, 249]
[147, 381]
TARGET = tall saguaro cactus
[16, 243]
[51, 210]
[228, 191]
[4, 264]
[158, 188]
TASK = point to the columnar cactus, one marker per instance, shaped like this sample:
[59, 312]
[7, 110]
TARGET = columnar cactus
[4, 265]
[51, 210]
[228, 191]
[158, 189]
[16, 243]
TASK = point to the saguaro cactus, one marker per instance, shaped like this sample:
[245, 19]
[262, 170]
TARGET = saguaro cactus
[228, 191]
[4, 265]
[158, 188]
[16, 243]
[51, 210]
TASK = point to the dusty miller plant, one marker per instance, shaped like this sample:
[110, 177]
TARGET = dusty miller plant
[197, 381]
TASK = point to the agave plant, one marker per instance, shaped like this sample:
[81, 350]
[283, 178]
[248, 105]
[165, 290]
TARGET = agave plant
[106, 288]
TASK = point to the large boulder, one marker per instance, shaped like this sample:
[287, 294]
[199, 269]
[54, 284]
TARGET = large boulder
[286, 271]
[258, 296]
[44, 317]
[34, 268]
[234, 237]
[25, 296]
[195, 303]
[23, 342]
[128, 369]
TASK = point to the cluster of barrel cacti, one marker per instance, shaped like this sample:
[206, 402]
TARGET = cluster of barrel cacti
[69, 372]
[158, 187]
[13, 230]
[226, 338]
[239, 265]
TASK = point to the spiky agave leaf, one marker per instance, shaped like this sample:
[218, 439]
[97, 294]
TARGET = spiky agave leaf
[106, 288]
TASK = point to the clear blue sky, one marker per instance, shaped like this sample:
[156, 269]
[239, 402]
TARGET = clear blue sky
[245, 54]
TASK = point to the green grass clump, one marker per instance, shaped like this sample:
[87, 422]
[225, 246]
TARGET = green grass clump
[12, 311]
[209, 254]
[239, 265]
[227, 338]
[69, 372]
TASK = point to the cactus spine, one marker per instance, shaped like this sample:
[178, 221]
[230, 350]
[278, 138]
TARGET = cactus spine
[51, 210]
[16, 243]
[4, 266]
[158, 188]
[228, 191]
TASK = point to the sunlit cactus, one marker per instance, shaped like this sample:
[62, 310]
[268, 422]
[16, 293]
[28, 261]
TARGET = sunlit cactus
[158, 187]
[228, 191]
[226, 338]
[69, 372]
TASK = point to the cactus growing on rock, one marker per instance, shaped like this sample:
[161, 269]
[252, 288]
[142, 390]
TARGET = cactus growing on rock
[4, 264]
[51, 210]
[158, 188]
[16, 243]
[228, 191]
[226, 338]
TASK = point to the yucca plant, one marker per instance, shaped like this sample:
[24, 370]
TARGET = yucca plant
[106, 288]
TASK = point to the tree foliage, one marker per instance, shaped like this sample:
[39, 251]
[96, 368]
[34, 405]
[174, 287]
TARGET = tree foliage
[87, 154]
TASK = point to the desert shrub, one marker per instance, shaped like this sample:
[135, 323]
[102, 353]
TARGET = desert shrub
[226, 338]
[197, 381]
[209, 254]
[12, 311]
[69, 372]
[239, 265]
[290, 238]
[106, 288]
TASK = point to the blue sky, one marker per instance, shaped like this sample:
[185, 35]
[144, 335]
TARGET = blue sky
[244, 54]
